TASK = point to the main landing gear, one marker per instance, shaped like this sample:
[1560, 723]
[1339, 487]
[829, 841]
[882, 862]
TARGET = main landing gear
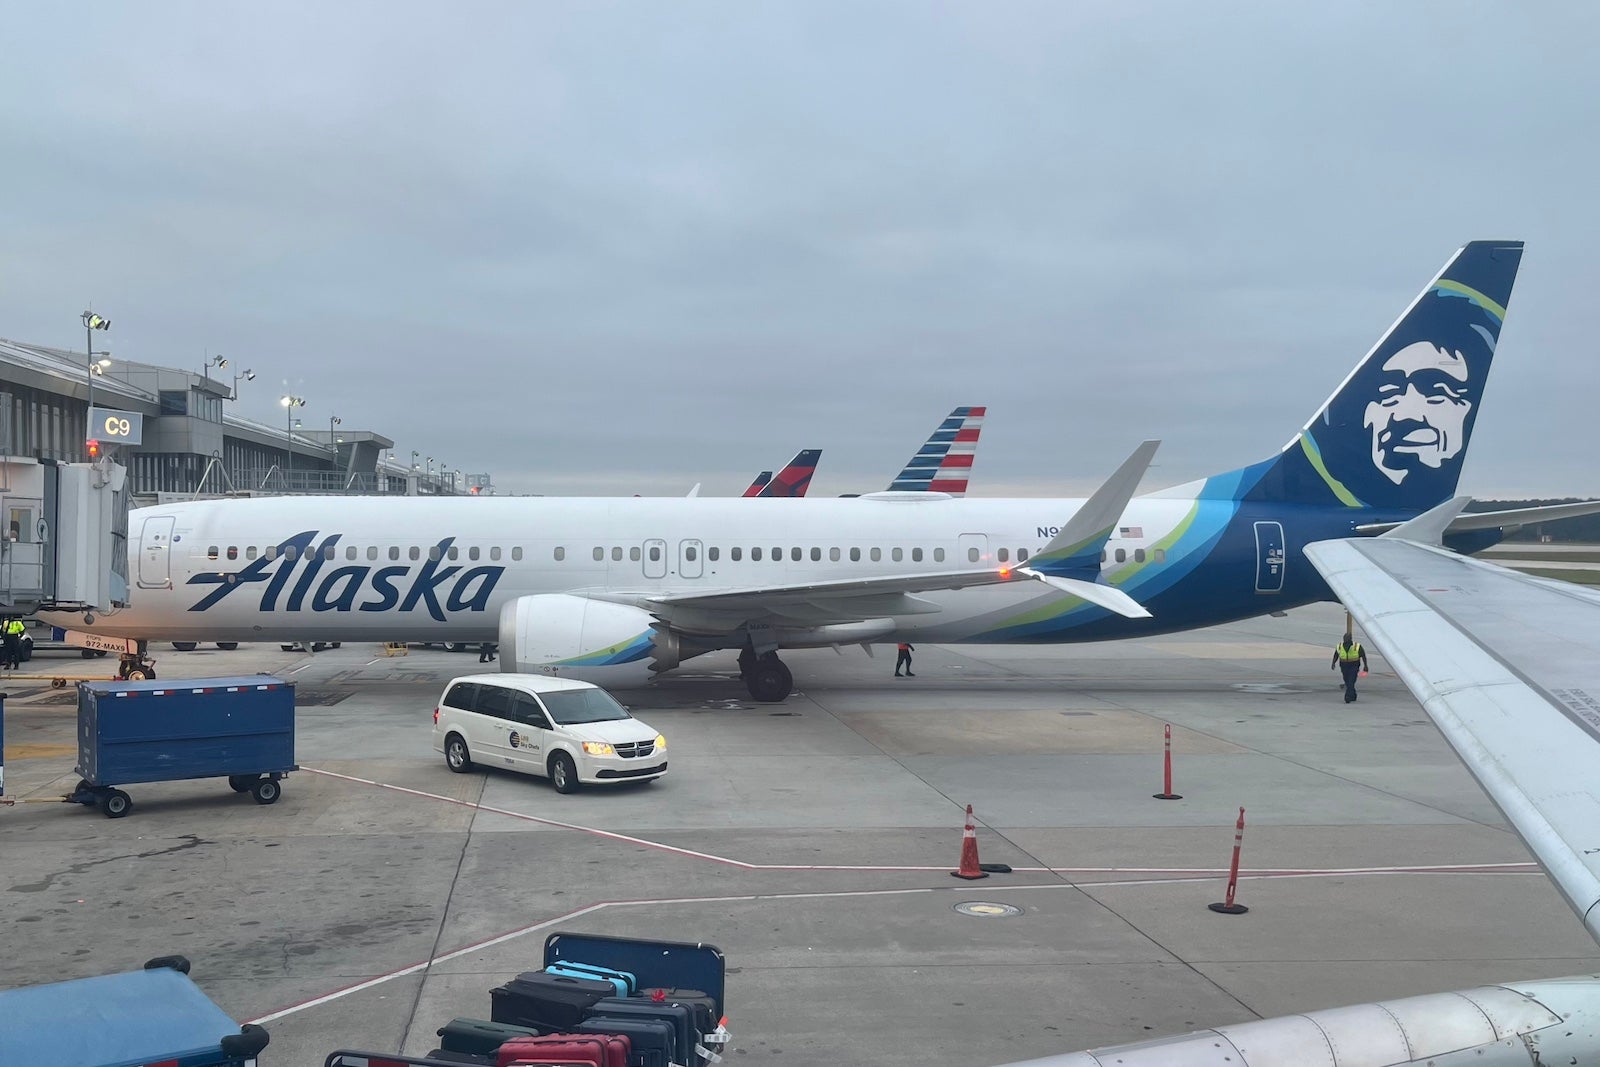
[136, 667]
[765, 676]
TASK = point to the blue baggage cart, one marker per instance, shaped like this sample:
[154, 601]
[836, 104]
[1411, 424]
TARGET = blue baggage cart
[130, 732]
[154, 1016]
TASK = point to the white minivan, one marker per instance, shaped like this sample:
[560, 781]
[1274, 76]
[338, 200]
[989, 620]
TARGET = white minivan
[566, 730]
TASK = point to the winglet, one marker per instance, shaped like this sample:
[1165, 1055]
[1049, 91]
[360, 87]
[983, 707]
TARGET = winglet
[1429, 527]
[1075, 551]
[695, 491]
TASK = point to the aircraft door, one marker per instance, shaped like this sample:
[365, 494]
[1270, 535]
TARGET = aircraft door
[155, 553]
[655, 558]
[973, 550]
[1269, 557]
[690, 564]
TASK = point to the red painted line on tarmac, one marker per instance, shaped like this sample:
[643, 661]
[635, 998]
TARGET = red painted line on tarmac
[1260, 872]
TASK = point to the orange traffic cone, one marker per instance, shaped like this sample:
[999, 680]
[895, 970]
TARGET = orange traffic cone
[969, 852]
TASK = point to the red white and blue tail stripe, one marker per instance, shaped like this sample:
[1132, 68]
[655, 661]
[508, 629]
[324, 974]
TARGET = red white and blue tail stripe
[944, 462]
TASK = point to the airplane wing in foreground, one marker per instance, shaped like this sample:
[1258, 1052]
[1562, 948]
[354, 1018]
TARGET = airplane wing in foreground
[1508, 667]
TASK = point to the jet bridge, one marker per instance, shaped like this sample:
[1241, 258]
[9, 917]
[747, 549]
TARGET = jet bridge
[63, 535]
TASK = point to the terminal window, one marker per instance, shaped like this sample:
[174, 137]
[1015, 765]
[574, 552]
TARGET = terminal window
[174, 402]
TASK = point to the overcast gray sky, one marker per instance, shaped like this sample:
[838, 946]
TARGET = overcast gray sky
[599, 248]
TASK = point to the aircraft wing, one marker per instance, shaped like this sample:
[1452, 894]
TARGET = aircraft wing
[1513, 519]
[1508, 667]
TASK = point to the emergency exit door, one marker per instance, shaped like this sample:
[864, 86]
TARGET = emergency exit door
[1269, 557]
[155, 553]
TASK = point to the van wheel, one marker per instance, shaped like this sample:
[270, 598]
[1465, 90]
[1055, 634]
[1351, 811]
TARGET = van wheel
[456, 756]
[563, 773]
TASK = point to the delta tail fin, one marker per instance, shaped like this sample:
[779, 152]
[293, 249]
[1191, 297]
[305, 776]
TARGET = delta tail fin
[1395, 432]
[759, 484]
[944, 461]
[795, 478]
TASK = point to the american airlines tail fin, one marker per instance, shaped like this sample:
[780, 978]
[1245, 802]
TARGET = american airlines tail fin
[1395, 432]
[794, 479]
[944, 461]
[760, 483]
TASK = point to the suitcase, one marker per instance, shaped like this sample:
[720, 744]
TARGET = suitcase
[681, 1018]
[697, 1001]
[591, 1050]
[625, 982]
[479, 1036]
[652, 1042]
[444, 1055]
[546, 1002]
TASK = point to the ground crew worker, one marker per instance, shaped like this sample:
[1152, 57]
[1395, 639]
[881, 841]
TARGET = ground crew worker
[1351, 659]
[904, 659]
[11, 653]
[486, 652]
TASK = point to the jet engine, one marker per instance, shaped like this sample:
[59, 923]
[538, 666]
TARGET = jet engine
[591, 640]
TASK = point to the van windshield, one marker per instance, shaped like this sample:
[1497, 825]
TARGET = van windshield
[583, 705]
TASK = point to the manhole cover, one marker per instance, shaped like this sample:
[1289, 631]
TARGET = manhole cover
[983, 909]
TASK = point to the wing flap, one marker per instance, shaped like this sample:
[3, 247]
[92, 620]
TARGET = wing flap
[1509, 669]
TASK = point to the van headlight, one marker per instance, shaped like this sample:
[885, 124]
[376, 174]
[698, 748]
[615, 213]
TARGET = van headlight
[661, 742]
[598, 748]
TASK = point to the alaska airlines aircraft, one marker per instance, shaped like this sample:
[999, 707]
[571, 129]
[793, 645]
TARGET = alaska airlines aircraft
[615, 590]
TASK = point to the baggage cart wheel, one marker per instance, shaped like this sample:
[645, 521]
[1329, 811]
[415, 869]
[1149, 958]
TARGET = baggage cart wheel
[265, 790]
[58, 683]
[115, 803]
[563, 773]
[240, 783]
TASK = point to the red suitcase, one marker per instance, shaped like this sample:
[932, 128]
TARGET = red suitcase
[600, 1050]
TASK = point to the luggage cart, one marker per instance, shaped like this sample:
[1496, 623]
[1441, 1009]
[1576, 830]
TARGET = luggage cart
[238, 728]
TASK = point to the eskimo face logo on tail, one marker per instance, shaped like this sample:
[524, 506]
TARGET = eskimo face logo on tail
[297, 567]
[1419, 416]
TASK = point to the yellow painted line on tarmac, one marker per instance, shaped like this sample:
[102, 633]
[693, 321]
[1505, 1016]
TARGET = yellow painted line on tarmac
[38, 750]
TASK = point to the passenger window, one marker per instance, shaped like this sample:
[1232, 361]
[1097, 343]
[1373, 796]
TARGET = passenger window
[794, 554]
[233, 551]
[655, 553]
[455, 553]
[350, 552]
[897, 554]
[734, 553]
[816, 555]
[1102, 555]
[250, 552]
[1161, 555]
[972, 554]
[755, 554]
[1138, 555]
[516, 553]
[433, 552]
[211, 553]
[690, 554]
[270, 552]
[712, 553]
[777, 555]
[372, 551]
[414, 552]
[599, 554]
[616, 553]
[327, 551]
[877, 554]
[472, 553]
[492, 700]
[463, 695]
[1022, 555]
[291, 552]
[833, 555]
[561, 553]
[916, 555]
[633, 553]
[1002, 555]
[855, 555]
[1122, 555]
[938, 555]
[394, 551]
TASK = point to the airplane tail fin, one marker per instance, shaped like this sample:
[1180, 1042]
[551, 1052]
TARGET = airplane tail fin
[944, 461]
[794, 479]
[1395, 432]
[759, 484]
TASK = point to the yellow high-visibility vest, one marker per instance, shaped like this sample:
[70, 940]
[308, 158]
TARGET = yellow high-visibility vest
[1351, 654]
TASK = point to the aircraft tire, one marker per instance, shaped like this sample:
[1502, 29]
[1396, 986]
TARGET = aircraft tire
[227, 646]
[185, 646]
[769, 682]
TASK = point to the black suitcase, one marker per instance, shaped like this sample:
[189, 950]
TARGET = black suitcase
[546, 1002]
[479, 1036]
[679, 1015]
[444, 1055]
[698, 1001]
[654, 1042]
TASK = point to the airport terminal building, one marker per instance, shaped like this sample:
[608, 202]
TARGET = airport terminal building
[191, 445]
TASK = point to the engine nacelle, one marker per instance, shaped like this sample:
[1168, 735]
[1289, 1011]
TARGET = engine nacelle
[591, 640]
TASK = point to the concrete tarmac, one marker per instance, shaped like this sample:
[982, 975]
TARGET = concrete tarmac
[811, 841]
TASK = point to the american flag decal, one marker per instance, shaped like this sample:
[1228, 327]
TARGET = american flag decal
[1134, 532]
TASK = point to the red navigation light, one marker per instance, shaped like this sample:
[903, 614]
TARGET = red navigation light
[92, 447]
[475, 490]
[1005, 572]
